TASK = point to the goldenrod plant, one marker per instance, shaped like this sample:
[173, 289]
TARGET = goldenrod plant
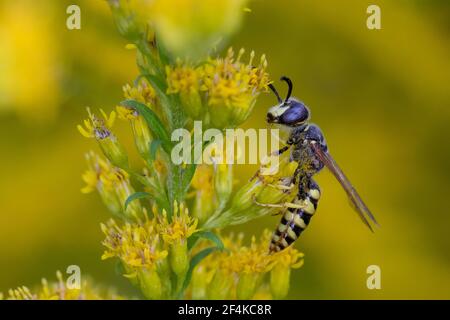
[58, 290]
[166, 233]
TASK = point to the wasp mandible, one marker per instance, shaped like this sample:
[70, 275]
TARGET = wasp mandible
[310, 151]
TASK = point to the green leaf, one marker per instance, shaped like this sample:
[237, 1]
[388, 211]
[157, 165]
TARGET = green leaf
[164, 54]
[188, 174]
[119, 269]
[194, 262]
[154, 123]
[154, 145]
[160, 90]
[209, 235]
[137, 195]
[137, 79]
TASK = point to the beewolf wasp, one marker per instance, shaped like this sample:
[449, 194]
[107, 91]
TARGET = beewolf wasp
[310, 151]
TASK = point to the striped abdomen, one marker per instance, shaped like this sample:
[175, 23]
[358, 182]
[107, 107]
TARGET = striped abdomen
[294, 221]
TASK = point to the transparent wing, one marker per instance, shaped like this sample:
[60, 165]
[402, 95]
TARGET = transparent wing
[359, 206]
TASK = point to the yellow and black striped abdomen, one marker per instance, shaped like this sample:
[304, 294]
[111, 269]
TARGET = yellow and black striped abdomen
[294, 221]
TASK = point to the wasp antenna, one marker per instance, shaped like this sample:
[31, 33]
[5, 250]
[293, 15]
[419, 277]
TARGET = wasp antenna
[289, 82]
[275, 92]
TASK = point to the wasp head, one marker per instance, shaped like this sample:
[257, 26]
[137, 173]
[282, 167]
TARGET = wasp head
[290, 112]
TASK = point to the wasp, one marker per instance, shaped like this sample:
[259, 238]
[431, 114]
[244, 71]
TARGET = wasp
[309, 149]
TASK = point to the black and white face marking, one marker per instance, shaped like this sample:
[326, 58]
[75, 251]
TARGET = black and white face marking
[290, 112]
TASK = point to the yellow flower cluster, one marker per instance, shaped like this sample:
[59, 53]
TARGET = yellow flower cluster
[60, 291]
[272, 185]
[182, 78]
[240, 271]
[143, 92]
[153, 250]
[232, 82]
[221, 91]
[137, 245]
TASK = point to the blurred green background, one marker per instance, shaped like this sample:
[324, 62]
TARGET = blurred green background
[381, 97]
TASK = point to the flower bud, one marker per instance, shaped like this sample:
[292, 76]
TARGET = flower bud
[184, 81]
[199, 283]
[113, 185]
[279, 281]
[223, 182]
[150, 283]
[202, 183]
[179, 259]
[214, 22]
[114, 151]
[219, 288]
[246, 286]
[131, 17]
[141, 133]
[280, 273]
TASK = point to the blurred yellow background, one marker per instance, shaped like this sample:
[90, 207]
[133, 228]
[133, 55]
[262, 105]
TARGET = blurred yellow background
[381, 97]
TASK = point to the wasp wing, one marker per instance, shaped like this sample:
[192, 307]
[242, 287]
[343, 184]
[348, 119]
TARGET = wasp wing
[359, 206]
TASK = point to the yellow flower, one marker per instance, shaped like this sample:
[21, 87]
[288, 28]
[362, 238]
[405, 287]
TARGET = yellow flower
[126, 113]
[222, 91]
[175, 233]
[113, 185]
[203, 190]
[184, 80]
[232, 87]
[180, 227]
[290, 257]
[136, 245]
[280, 274]
[100, 129]
[143, 93]
[95, 127]
[268, 186]
[141, 133]
[60, 291]
[253, 259]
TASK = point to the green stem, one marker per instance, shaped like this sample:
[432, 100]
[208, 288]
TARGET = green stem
[175, 116]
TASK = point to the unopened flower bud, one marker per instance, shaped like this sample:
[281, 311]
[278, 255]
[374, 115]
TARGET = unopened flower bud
[220, 285]
[150, 283]
[279, 281]
[179, 259]
[223, 181]
[114, 151]
[246, 286]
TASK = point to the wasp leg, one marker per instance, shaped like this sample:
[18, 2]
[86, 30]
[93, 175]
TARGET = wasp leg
[282, 186]
[284, 205]
[281, 151]
[296, 174]
[279, 212]
[255, 175]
